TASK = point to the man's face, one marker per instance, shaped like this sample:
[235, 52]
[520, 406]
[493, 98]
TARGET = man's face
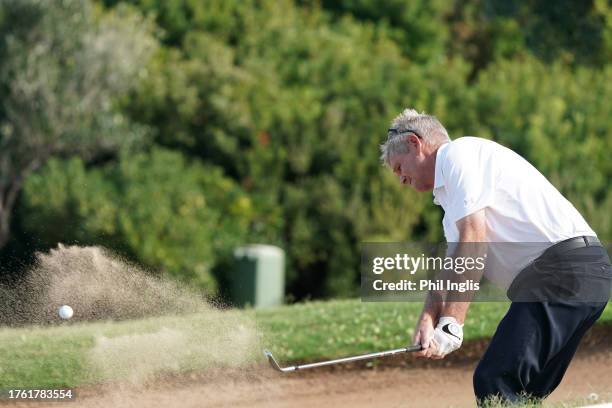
[412, 168]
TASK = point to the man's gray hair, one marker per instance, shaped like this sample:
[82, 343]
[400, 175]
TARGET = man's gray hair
[427, 127]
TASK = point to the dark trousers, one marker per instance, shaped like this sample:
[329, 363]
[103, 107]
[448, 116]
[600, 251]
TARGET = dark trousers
[535, 342]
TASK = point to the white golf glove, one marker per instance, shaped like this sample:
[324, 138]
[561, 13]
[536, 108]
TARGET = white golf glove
[448, 334]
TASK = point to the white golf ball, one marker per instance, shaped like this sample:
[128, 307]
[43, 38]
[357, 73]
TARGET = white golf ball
[65, 312]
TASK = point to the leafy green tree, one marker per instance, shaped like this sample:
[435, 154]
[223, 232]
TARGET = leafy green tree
[158, 208]
[62, 66]
[285, 104]
[418, 27]
[556, 117]
[294, 107]
[577, 33]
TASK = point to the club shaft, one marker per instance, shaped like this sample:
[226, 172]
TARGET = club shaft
[354, 358]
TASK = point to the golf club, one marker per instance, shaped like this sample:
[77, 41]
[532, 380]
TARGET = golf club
[277, 367]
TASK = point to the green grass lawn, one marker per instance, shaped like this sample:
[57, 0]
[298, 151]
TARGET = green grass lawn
[330, 329]
[58, 356]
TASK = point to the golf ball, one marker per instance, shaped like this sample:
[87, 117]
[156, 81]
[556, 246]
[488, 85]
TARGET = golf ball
[65, 312]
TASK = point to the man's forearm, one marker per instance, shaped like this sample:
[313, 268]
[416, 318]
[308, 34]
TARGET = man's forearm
[432, 307]
[472, 245]
[457, 304]
[458, 310]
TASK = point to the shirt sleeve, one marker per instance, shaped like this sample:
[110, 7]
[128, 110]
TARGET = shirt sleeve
[469, 182]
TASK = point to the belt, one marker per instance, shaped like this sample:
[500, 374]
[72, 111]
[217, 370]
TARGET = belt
[572, 243]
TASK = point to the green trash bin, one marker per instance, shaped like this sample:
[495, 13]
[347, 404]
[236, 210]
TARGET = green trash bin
[258, 276]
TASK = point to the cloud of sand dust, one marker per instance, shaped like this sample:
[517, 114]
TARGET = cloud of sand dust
[176, 330]
[138, 356]
[216, 341]
[97, 285]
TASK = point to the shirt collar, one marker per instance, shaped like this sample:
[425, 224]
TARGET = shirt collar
[440, 157]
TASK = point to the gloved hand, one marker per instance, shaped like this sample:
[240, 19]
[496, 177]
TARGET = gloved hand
[448, 336]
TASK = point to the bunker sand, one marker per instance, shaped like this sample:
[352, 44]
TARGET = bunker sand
[412, 385]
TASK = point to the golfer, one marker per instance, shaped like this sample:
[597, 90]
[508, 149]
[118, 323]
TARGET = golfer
[491, 194]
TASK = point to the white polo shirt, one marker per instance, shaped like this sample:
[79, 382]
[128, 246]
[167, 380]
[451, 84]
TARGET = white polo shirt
[521, 205]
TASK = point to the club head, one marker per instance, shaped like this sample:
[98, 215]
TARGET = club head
[272, 361]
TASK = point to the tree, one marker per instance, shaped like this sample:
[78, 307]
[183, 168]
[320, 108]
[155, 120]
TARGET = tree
[293, 109]
[158, 208]
[64, 63]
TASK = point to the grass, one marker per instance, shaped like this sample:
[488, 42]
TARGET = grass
[331, 329]
[529, 402]
[57, 356]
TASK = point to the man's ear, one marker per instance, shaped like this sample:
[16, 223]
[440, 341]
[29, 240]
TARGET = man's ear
[414, 142]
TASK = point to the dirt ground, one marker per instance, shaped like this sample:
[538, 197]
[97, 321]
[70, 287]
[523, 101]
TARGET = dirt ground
[400, 383]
